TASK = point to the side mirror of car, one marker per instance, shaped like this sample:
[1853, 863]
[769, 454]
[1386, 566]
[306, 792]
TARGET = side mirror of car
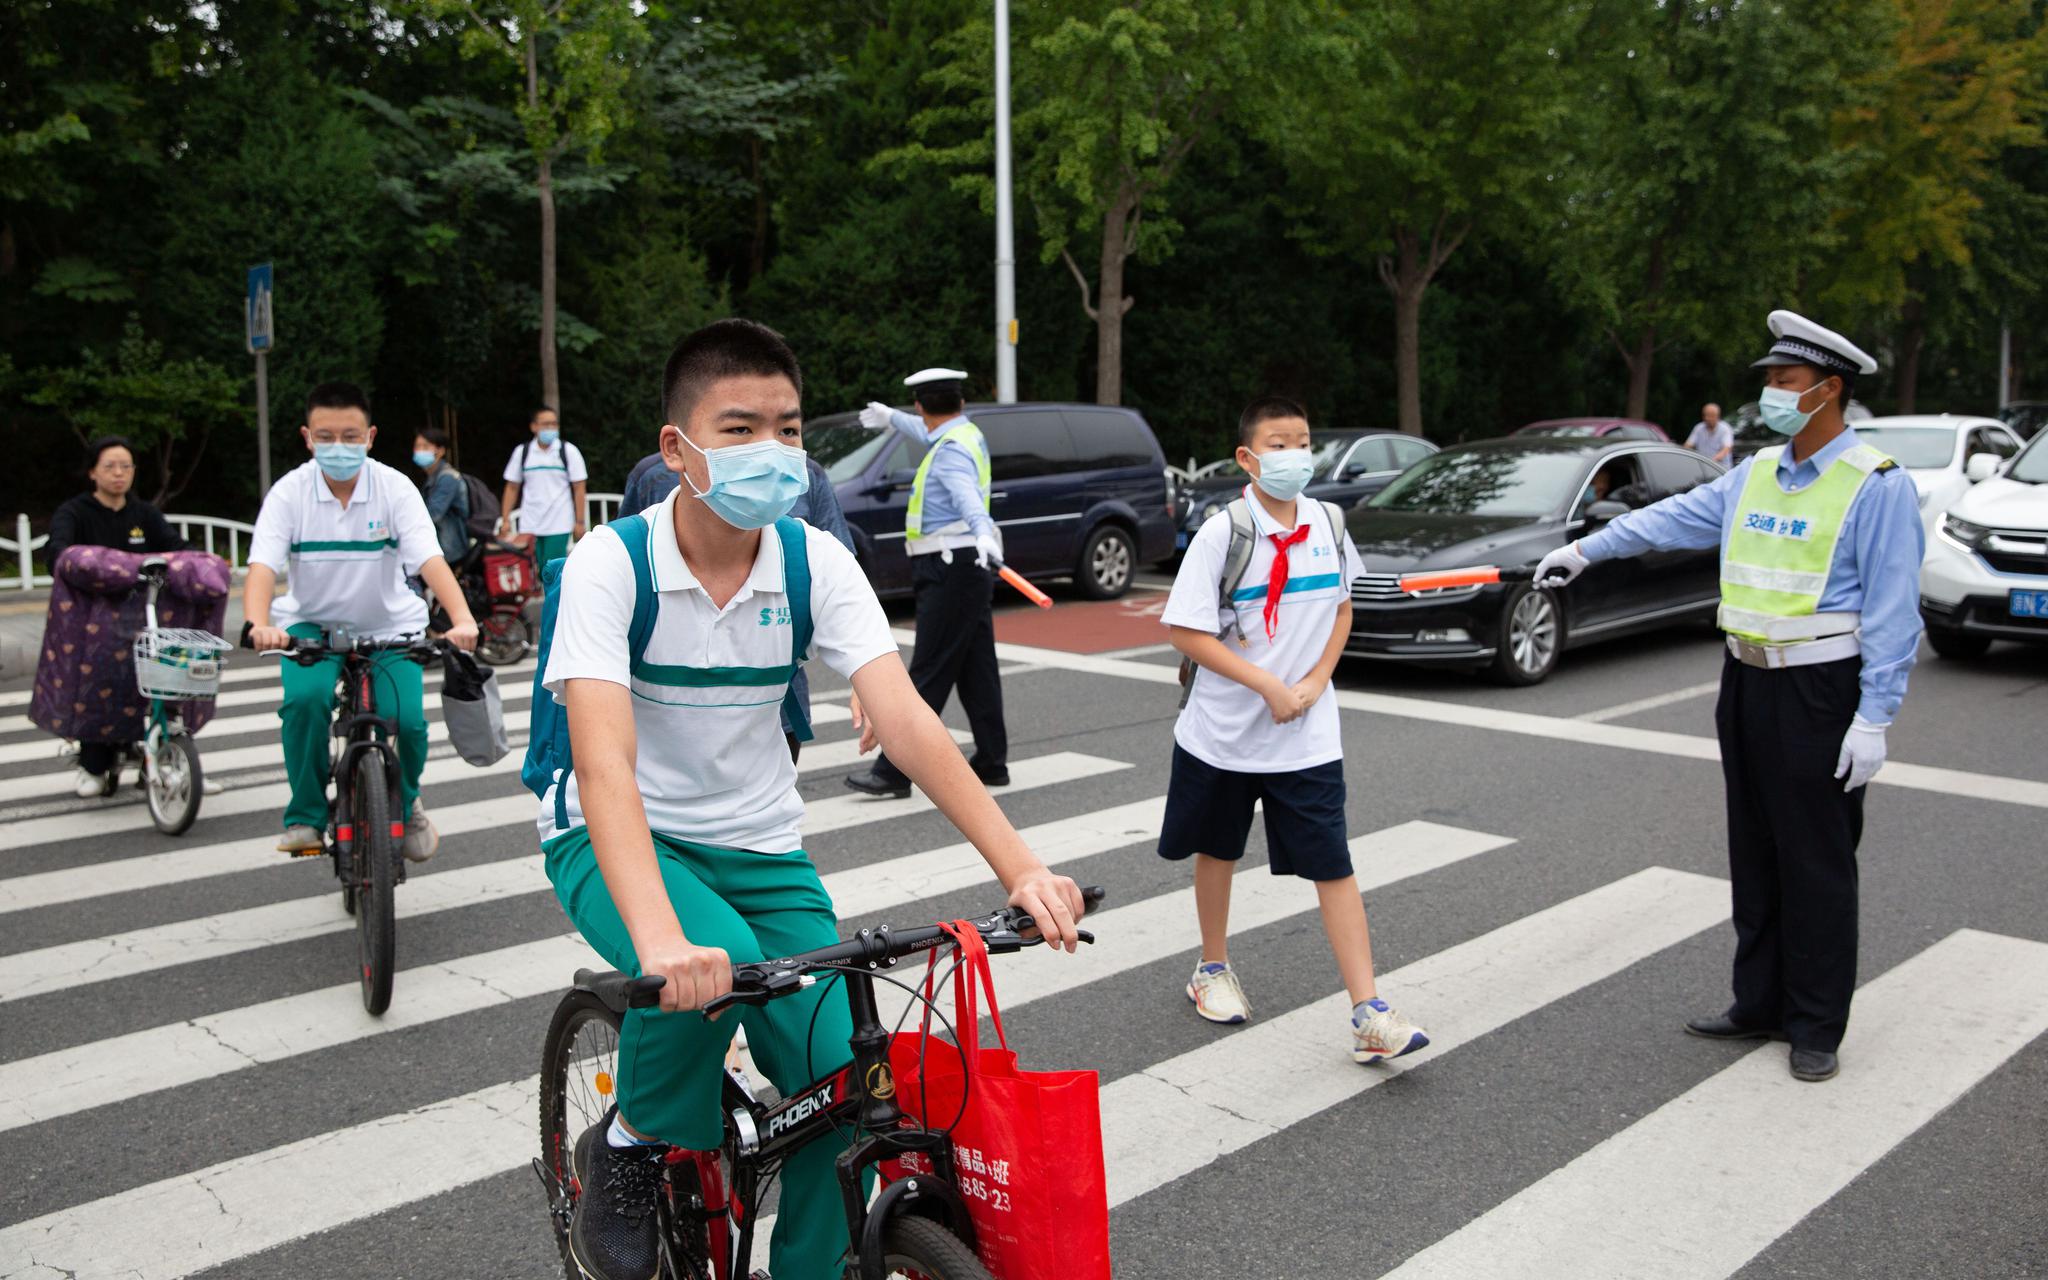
[1355, 469]
[1981, 466]
[1603, 510]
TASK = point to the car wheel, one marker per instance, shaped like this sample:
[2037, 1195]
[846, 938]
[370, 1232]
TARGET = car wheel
[1107, 561]
[1531, 637]
[1950, 643]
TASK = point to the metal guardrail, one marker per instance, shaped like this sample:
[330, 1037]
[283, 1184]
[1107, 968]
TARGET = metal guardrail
[212, 533]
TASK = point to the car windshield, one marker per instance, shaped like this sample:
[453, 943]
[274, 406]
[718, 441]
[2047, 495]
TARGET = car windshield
[1912, 446]
[2032, 464]
[1326, 449]
[844, 449]
[1562, 429]
[1485, 482]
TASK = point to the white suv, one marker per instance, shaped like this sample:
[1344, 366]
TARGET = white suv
[1986, 573]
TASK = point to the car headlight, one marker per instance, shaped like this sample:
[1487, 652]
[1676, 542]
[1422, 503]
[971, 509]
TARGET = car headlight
[1963, 533]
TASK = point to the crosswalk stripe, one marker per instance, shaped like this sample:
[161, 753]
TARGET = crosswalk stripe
[245, 668]
[1183, 1114]
[67, 1081]
[29, 973]
[1718, 1173]
[173, 1227]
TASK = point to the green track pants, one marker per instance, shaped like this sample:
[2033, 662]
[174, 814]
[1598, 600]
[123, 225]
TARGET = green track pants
[753, 905]
[308, 716]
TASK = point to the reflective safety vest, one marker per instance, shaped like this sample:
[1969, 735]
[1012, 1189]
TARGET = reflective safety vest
[1774, 566]
[968, 435]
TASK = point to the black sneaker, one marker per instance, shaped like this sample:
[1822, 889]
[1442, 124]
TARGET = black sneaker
[872, 783]
[996, 777]
[615, 1234]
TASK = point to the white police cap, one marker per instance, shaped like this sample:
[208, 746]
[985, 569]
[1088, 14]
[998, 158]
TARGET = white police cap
[1801, 341]
[922, 376]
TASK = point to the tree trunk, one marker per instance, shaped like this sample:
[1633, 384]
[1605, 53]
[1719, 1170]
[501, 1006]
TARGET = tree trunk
[1407, 279]
[1110, 302]
[1639, 362]
[550, 372]
[1912, 336]
[757, 260]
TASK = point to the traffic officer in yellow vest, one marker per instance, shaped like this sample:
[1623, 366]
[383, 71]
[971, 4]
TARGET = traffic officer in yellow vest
[955, 550]
[1820, 569]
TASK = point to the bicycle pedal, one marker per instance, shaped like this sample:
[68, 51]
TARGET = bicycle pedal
[304, 853]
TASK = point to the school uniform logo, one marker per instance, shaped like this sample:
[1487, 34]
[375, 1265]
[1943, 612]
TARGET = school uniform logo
[773, 617]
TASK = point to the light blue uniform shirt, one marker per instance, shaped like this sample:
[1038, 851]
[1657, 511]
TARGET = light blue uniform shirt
[952, 488]
[1876, 569]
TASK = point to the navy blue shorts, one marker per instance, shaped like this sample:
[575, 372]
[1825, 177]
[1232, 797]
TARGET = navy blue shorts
[1209, 810]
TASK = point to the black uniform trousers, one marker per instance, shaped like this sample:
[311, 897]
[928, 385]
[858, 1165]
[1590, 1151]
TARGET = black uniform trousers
[956, 646]
[1792, 837]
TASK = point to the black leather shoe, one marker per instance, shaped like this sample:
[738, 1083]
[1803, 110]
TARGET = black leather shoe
[996, 777]
[871, 783]
[1722, 1027]
[1814, 1065]
[615, 1234]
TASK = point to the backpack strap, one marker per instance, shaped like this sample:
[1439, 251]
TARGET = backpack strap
[796, 585]
[1335, 515]
[632, 532]
[1236, 559]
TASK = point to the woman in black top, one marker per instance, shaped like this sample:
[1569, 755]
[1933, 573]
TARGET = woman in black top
[108, 517]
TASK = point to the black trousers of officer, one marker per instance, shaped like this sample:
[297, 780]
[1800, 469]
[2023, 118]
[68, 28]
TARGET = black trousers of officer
[1792, 837]
[956, 646]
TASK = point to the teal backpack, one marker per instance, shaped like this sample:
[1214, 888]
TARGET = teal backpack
[547, 743]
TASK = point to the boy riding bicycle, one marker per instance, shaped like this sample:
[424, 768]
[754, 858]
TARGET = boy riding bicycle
[686, 857]
[347, 530]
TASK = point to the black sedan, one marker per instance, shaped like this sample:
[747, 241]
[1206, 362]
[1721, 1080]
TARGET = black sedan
[1507, 503]
[1351, 466]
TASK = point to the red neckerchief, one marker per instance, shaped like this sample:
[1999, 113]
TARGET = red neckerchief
[1277, 582]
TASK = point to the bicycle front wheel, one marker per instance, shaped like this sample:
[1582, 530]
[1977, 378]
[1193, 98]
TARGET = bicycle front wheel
[375, 856]
[170, 782]
[920, 1249]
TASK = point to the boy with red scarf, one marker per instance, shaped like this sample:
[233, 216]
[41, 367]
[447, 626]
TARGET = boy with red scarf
[1258, 724]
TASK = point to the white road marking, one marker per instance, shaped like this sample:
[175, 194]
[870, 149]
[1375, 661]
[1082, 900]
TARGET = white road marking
[246, 668]
[1622, 711]
[1719, 1172]
[1917, 777]
[257, 853]
[69, 964]
[1183, 1114]
[67, 1081]
[228, 1211]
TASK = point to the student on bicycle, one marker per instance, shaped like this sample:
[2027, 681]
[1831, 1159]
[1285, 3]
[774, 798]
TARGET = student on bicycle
[1260, 725]
[347, 530]
[674, 842]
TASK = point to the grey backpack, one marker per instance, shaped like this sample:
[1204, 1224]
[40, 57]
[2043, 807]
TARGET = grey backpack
[1243, 537]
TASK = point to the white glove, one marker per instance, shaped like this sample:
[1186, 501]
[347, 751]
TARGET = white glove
[1561, 566]
[1862, 753]
[876, 416]
[987, 549]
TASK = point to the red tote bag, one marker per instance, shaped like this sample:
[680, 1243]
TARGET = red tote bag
[1027, 1145]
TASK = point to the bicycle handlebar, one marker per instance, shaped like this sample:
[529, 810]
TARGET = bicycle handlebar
[306, 652]
[879, 948]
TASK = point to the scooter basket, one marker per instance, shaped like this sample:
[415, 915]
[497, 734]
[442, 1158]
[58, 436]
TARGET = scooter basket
[178, 663]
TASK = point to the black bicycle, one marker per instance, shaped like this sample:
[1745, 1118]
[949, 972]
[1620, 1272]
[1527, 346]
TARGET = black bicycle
[917, 1226]
[366, 821]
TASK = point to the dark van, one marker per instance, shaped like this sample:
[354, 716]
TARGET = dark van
[1079, 491]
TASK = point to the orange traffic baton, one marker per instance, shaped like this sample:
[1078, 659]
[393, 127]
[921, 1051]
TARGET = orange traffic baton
[1445, 579]
[1024, 587]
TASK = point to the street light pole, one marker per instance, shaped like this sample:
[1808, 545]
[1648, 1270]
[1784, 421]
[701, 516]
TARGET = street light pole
[1006, 249]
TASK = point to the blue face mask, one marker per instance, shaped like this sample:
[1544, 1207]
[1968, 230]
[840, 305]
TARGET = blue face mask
[423, 459]
[339, 462]
[1780, 410]
[1284, 473]
[548, 436]
[752, 485]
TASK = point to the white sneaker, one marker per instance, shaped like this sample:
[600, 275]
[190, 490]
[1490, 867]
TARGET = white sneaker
[1384, 1034]
[421, 839]
[301, 839]
[1217, 995]
[91, 786]
[208, 787]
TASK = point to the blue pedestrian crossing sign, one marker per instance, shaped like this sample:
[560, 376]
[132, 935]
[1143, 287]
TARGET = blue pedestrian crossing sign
[257, 319]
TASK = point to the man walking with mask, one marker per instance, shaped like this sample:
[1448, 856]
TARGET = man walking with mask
[1820, 567]
[955, 551]
[545, 481]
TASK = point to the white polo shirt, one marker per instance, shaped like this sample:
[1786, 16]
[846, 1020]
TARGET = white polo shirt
[1224, 723]
[712, 764]
[346, 566]
[544, 475]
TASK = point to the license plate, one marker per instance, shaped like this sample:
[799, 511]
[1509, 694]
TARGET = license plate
[2027, 604]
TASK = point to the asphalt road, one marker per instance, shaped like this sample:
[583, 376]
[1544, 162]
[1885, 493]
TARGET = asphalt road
[1543, 872]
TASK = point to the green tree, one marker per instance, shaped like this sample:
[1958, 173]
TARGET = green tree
[1966, 81]
[1410, 129]
[574, 59]
[167, 407]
